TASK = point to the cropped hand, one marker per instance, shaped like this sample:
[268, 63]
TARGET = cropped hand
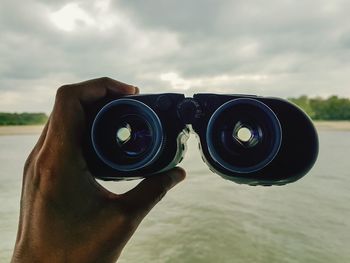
[65, 215]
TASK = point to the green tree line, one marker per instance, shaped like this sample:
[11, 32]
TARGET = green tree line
[332, 108]
[22, 118]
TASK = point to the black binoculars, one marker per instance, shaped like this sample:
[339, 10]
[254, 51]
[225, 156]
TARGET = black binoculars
[246, 139]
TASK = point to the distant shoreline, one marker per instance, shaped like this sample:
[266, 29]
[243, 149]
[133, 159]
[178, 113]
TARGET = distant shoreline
[20, 129]
[333, 125]
[36, 129]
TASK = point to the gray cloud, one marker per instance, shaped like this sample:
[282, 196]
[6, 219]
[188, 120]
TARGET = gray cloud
[280, 48]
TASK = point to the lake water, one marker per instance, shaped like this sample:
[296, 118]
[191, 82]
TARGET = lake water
[209, 219]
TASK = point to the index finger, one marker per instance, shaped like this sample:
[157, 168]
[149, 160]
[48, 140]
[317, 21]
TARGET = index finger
[66, 129]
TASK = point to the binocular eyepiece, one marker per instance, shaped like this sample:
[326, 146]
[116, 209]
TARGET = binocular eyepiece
[246, 139]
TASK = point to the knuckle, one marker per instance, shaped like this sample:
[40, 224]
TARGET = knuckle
[161, 191]
[44, 177]
[44, 166]
[63, 92]
[161, 194]
[29, 161]
[165, 184]
[31, 170]
[29, 164]
[104, 81]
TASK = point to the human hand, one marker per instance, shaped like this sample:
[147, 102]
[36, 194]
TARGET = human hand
[66, 216]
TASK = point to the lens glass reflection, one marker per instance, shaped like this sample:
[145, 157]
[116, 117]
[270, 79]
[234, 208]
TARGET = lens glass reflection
[127, 135]
[134, 136]
[123, 134]
[243, 135]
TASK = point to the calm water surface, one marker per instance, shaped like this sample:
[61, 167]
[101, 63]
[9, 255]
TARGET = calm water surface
[208, 219]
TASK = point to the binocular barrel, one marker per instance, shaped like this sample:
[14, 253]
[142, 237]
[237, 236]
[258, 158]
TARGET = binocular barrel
[246, 139]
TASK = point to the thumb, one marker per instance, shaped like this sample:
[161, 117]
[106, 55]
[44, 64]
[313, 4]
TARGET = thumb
[141, 199]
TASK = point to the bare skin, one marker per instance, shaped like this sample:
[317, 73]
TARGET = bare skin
[65, 215]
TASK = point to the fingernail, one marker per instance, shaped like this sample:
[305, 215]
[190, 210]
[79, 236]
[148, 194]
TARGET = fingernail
[137, 90]
[177, 175]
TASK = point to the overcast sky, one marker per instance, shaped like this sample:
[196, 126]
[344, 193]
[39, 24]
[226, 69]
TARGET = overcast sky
[279, 48]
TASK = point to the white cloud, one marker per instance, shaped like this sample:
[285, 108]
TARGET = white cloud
[176, 81]
[70, 16]
[281, 49]
[180, 83]
[75, 16]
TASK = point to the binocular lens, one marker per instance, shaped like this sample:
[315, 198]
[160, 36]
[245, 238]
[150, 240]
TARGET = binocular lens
[134, 135]
[127, 135]
[243, 135]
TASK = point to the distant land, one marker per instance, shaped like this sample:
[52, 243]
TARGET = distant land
[25, 118]
[332, 108]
